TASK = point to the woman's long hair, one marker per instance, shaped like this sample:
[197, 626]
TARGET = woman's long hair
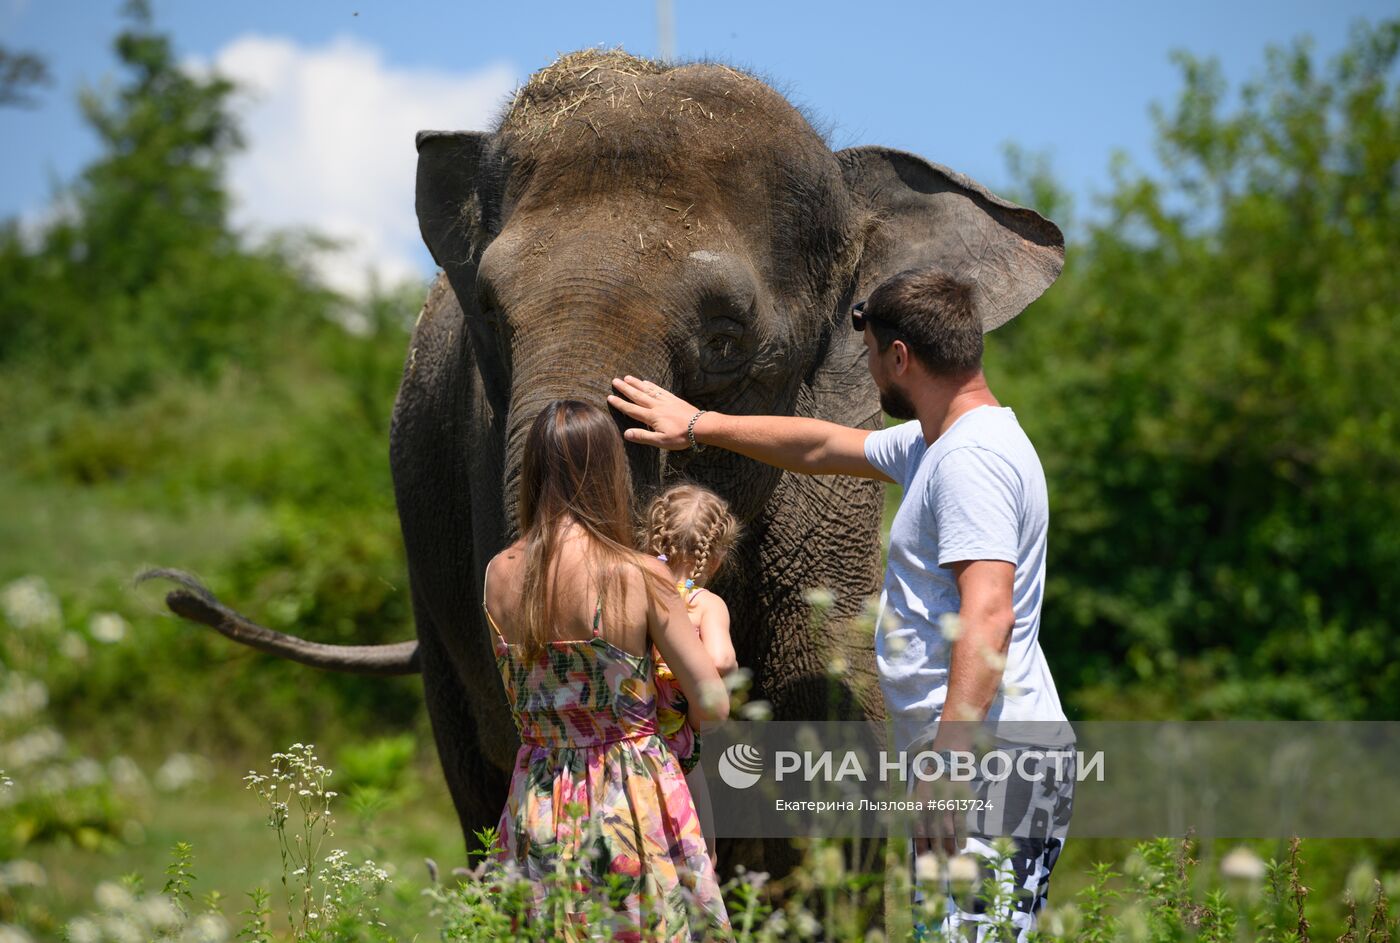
[574, 469]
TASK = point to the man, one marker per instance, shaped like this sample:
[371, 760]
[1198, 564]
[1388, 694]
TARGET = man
[968, 541]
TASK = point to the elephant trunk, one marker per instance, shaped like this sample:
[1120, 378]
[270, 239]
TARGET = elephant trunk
[562, 364]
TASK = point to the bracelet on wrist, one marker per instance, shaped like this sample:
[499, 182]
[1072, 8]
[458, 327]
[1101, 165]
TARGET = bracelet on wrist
[690, 432]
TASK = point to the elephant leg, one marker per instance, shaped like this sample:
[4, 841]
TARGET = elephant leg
[477, 786]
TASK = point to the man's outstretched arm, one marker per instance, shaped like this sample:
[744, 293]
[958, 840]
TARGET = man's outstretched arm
[793, 443]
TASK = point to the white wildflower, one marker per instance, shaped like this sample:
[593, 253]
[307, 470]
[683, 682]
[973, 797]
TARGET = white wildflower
[819, 598]
[51, 781]
[950, 624]
[112, 896]
[895, 644]
[122, 929]
[180, 770]
[207, 928]
[83, 930]
[928, 868]
[829, 866]
[85, 771]
[28, 604]
[160, 912]
[22, 873]
[1361, 880]
[738, 679]
[963, 869]
[125, 773]
[22, 697]
[838, 667]
[9, 933]
[34, 747]
[73, 647]
[756, 710]
[1243, 864]
[107, 627]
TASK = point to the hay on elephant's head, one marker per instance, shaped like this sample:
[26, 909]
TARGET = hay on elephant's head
[559, 89]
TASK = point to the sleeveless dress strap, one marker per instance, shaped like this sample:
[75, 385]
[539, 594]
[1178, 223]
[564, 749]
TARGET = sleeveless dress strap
[489, 618]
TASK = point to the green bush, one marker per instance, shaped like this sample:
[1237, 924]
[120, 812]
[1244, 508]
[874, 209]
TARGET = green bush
[1211, 388]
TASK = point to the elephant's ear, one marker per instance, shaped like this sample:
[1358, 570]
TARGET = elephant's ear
[926, 215]
[449, 203]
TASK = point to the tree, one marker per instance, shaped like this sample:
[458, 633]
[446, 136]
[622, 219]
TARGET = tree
[1212, 386]
[20, 73]
[137, 274]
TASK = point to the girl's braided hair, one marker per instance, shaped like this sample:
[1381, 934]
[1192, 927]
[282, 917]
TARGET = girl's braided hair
[693, 527]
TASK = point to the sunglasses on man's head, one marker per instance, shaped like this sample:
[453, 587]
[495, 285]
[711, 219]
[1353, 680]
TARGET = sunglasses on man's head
[859, 319]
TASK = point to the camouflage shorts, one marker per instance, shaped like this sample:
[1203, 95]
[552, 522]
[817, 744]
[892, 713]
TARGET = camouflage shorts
[1033, 817]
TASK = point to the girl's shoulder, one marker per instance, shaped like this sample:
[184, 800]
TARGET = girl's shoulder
[703, 599]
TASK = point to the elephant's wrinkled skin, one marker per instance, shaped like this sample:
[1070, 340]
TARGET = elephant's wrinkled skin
[688, 226]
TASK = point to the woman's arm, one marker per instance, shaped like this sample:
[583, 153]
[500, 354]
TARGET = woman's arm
[674, 636]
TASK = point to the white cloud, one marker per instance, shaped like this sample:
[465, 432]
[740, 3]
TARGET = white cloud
[330, 148]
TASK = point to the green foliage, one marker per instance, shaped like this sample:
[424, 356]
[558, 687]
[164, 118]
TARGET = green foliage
[50, 793]
[1211, 387]
[20, 73]
[384, 763]
[137, 274]
[157, 364]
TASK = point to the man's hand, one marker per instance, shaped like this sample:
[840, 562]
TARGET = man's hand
[937, 830]
[795, 443]
[665, 415]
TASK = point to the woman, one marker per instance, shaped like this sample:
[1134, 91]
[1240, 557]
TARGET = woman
[575, 611]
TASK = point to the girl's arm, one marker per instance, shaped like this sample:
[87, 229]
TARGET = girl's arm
[714, 631]
[674, 635]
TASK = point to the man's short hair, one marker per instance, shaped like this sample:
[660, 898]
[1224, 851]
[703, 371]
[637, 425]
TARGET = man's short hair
[933, 313]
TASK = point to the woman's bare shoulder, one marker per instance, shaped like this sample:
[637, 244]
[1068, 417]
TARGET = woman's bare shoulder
[504, 570]
[652, 565]
[511, 558]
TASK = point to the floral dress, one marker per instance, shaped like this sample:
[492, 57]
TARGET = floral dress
[671, 704]
[596, 787]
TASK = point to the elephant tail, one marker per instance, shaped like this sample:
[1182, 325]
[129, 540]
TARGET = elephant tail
[196, 603]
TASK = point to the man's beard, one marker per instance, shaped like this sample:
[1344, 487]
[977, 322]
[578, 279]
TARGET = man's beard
[895, 403]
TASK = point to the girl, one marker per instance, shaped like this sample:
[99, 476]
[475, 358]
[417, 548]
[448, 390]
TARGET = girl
[691, 530]
[576, 611]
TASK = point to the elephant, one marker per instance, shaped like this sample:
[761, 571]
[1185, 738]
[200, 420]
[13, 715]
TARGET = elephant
[686, 224]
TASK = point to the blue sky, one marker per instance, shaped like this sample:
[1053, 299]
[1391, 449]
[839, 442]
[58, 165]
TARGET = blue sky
[344, 81]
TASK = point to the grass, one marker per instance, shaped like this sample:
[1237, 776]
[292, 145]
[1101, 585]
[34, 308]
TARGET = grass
[235, 851]
[95, 536]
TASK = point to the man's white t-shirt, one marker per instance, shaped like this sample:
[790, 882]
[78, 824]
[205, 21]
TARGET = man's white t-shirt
[977, 493]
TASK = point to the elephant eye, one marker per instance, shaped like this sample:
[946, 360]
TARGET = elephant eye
[723, 347]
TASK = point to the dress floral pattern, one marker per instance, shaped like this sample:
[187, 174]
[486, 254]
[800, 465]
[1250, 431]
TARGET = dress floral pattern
[594, 780]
